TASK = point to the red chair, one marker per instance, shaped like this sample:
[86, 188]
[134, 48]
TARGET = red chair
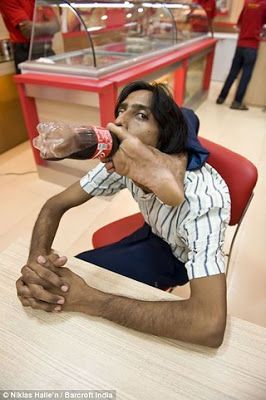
[239, 174]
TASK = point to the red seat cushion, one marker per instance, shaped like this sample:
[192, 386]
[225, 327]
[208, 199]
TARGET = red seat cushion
[117, 230]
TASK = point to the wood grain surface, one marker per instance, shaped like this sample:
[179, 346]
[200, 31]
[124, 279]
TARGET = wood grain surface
[69, 351]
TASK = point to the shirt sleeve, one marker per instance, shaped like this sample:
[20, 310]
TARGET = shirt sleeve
[14, 12]
[204, 221]
[204, 238]
[98, 182]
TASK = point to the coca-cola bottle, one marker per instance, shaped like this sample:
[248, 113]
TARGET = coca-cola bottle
[57, 141]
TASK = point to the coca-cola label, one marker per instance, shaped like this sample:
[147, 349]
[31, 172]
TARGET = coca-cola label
[105, 143]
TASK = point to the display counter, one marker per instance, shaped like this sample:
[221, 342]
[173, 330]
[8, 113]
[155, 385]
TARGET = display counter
[88, 65]
[224, 53]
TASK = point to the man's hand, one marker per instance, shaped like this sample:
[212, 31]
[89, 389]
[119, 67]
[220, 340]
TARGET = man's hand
[79, 297]
[39, 279]
[154, 171]
[25, 28]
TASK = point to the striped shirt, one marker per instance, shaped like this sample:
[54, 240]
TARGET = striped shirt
[195, 230]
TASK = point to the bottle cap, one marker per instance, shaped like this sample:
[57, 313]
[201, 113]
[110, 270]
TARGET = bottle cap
[105, 143]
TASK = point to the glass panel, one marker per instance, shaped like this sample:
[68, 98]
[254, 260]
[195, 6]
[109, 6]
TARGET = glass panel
[58, 29]
[191, 20]
[194, 79]
[94, 38]
[131, 29]
[223, 6]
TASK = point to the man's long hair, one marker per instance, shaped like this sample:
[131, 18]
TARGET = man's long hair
[173, 129]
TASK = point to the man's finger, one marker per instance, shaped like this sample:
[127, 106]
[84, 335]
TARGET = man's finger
[49, 276]
[24, 301]
[22, 289]
[119, 131]
[60, 261]
[39, 293]
[29, 276]
[48, 261]
[54, 258]
[110, 166]
[40, 305]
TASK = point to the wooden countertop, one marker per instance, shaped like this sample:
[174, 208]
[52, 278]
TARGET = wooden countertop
[73, 351]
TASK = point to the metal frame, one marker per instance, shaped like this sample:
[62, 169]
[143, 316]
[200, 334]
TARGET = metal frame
[229, 254]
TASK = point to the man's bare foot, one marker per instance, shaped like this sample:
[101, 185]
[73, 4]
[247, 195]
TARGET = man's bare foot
[160, 173]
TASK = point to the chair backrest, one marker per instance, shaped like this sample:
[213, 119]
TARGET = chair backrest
[117, 230]
[239, 174]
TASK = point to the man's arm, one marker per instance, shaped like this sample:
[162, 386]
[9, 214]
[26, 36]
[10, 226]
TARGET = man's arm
[200, 319]
[13, 12]
[50, 215]
[36, 276]
[40, 28]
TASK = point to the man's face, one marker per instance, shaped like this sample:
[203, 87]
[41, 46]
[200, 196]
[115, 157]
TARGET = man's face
[135, 115]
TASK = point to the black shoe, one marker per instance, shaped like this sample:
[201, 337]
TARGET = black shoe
[220, 100]
[238, 106]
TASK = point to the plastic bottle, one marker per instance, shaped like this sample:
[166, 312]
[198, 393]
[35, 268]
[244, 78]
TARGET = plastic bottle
[57, 141]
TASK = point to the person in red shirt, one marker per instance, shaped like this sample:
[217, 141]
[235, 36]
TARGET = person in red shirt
[250, 22]
[209, 6]
[200, 19]
[17, 16]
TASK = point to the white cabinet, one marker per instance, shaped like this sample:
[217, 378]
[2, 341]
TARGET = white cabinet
[224, 52]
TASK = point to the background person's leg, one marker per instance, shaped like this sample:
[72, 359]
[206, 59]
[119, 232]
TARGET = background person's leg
[234, 71]
[142, 256]
[21, 54]
[249, 57]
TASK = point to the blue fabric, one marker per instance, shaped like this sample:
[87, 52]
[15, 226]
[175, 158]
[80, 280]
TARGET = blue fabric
[142, 256]
[245, 59]
[197, 154]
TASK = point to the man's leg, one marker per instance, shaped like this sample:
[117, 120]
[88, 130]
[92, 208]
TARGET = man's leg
[249, 56]
[235, 68]
[142, 256]
[21, 54]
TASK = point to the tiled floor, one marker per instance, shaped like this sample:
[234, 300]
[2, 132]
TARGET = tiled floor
[244, 132]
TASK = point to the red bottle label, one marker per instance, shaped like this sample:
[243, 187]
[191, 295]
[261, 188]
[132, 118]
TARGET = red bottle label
[105, 143]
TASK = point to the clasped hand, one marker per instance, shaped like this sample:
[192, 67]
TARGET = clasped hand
[46, 285]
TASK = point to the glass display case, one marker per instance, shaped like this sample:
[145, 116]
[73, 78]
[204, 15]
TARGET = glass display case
[223, 6]
[96, 38]
[83, 53]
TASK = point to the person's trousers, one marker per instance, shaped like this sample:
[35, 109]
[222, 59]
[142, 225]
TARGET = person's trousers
[21, 53]
[245, 59]
[142, 256]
